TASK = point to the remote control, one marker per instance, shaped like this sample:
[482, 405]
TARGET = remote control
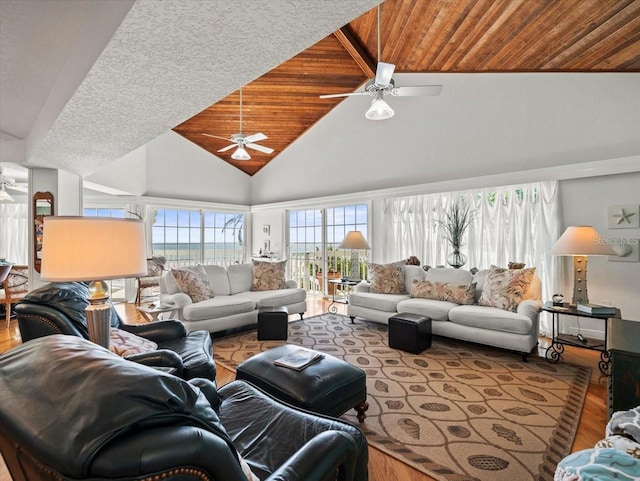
[581, 338]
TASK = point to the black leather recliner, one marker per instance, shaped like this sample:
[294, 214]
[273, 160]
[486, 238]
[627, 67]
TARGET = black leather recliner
[70, 410]
[58, 308]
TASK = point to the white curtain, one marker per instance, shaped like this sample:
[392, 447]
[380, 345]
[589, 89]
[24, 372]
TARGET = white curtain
[14, 233]
[517, 223]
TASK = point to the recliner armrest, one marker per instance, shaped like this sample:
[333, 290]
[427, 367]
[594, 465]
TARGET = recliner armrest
[157, 331]
[326, 453]
[159, 358]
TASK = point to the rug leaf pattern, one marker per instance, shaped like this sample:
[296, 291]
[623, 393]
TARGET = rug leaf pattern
[458, 411]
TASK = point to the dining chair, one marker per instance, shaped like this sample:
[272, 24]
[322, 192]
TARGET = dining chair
[15, 287]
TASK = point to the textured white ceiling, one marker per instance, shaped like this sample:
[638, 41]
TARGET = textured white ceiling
[166, 62]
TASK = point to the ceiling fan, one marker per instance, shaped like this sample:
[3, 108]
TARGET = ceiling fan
[383, 85]
[8, 182]
[241, 141]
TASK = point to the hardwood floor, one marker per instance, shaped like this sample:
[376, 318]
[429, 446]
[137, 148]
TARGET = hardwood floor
[383, 467]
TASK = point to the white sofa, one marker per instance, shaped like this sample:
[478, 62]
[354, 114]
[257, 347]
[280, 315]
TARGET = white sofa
[234, 303]
[517, 331]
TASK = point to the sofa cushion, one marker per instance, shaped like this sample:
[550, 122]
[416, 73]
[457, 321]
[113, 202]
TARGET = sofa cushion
[492, 318]
[268, 276]
[276, 297]
[387, 278]
[387, 303]
[240, 276]
[436, 310]
[220, 306]
[411, 273]
[443, 291]
[194, 282]
[504, 288]
[447, 274]
[218, 280]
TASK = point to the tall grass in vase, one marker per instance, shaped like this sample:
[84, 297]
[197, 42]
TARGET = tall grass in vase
[457, 220]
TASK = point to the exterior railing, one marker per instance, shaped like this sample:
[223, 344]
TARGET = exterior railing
[307, 269]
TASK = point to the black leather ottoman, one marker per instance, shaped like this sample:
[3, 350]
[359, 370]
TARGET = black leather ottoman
[410, 332]
[273, 324]
[329, 386]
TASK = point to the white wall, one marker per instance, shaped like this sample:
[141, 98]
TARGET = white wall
[127, 174]
[585, 202]
[481, 124]
[177, 168]
[275, 219]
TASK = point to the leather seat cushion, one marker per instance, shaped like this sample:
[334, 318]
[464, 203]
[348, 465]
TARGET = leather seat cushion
[260, 441]
[219, 306]
[196, 351]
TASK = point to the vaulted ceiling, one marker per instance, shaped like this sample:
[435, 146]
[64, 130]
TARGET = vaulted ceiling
[422, 36]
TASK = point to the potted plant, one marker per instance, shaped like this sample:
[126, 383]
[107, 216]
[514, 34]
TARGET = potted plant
[457, 220]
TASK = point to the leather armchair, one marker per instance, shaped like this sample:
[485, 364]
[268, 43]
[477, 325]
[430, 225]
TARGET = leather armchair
[70, 410]
[58, 308]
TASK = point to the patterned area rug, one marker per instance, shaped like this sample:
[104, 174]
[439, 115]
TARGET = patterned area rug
[458, 411]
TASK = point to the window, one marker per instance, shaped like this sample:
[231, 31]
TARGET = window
[188, 237]
[314, 237]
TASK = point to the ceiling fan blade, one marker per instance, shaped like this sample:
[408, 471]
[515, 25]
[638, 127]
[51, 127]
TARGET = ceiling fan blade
[18, 188]
[332, 96]
[384, 72]
[228, 147]
[255, 137]
[217, 137]
[259, 148]
[417, 91]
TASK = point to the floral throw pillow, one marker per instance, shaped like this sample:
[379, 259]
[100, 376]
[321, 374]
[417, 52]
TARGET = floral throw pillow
[504, 288]
[268, 276]
[194, 282]
[124, 343]
[387, 278]
[443, 291]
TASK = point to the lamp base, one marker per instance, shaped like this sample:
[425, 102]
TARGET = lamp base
[580, 294]
[99, 323]
[355, 266]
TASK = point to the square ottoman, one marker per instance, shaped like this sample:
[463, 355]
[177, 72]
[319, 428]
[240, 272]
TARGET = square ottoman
[329, 386]
[273, 324]
[410, 332]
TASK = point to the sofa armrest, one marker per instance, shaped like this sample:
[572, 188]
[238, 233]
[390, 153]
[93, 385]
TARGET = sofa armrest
[317, 459]
[529, 308]
[177, 300]
[292, 285]
[364, 286]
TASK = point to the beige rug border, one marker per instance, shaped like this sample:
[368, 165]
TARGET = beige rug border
[565, 431]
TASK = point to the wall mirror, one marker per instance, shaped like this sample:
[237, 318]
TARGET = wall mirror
[42, 206]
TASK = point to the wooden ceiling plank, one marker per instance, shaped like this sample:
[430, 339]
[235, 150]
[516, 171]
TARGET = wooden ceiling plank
[357, 51]
[608, 22]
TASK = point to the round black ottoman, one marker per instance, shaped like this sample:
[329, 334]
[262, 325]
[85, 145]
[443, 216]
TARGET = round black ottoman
[329, 386]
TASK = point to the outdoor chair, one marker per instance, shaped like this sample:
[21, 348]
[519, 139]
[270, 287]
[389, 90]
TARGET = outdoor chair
[155, 267]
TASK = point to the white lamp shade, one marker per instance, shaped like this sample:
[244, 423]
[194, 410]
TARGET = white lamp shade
[354, 240]
[92, 248]
[581, 240]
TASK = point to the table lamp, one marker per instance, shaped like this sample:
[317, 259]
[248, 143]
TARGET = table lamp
[355, 241]
[580, 242]
[93, 249]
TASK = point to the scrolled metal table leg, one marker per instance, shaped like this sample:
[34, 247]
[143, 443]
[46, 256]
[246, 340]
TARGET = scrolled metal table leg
[554, 351]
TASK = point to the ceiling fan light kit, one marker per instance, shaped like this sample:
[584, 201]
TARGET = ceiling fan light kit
[383, 85]
[241, 141]
[5, 181]
[379, 110]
